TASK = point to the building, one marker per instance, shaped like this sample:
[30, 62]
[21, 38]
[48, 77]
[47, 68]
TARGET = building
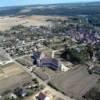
[12, 95]
[96, 70]
[35, 57]
[42, 60]
[20, 92]
[42, 96]
[50, 63]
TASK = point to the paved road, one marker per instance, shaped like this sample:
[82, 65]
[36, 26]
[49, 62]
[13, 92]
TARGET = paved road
[59, 94]
[44, 83]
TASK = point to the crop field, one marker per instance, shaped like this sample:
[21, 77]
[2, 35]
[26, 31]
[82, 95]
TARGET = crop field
[75, 83]
[25, 61]
[6, 22]
[3, 58]
[11, 76]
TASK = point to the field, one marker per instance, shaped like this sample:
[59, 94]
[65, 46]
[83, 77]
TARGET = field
[8, 22]
[25, 61]
[76, 82]
[4, 59]
[11, 76]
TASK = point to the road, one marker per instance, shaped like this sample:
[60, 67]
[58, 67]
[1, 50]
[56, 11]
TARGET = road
[31, 43]
[57, 93]
[44, 83]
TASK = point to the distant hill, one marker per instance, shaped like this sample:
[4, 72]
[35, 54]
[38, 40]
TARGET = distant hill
[91, 8]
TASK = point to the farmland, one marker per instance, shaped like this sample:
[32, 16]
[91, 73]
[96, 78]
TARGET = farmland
[11, 76]
[35, 20]
[75, 82]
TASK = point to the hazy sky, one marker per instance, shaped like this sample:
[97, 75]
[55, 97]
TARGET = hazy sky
[28, 2]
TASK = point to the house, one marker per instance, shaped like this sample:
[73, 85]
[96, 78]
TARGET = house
[20, 92]
[12, 95]
[35, 57]
[96, 70]
[42, 96]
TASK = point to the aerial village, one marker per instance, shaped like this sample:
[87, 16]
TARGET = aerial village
[49, 62]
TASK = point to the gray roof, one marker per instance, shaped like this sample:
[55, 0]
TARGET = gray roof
[36, 55]
[50, 62]
[96, 70]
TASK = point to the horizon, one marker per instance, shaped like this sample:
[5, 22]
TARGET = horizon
[11, 3]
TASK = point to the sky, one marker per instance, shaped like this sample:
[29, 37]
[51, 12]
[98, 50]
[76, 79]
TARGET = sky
[30, 2]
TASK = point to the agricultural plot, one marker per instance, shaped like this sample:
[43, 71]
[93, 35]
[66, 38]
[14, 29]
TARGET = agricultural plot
[25, 61]
[12, 76]
[4, 58]
[74, 83]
